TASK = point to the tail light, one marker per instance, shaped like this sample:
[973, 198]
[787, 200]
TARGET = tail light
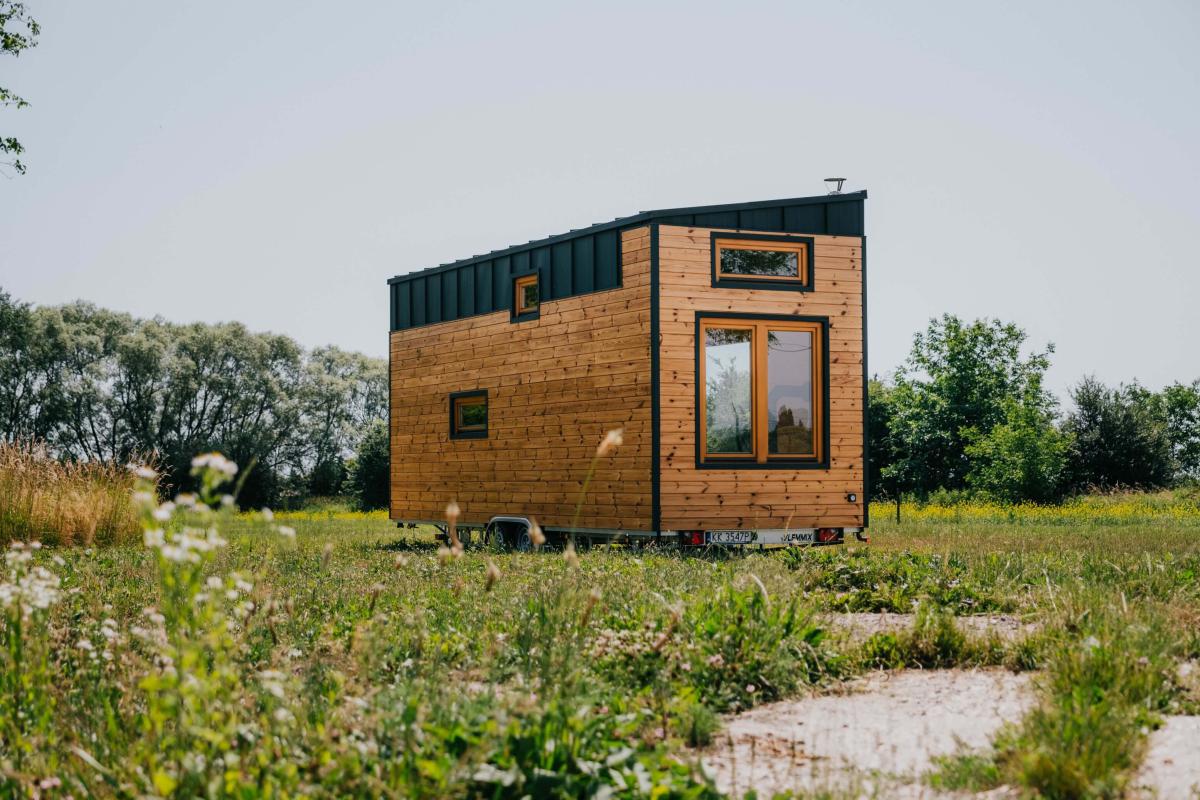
[693, 538]
[827, 535]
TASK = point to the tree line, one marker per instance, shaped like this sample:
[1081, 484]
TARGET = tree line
[968, 413]
[93, 384]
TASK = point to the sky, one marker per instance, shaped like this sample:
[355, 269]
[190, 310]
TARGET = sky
[275, 162]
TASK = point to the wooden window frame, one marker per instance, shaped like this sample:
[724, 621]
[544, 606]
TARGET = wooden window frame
[801, 245]
[521, 312]
[457, 401]
[759, 458]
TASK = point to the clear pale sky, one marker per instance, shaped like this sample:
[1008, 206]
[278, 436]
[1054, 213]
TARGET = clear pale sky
[276, 162]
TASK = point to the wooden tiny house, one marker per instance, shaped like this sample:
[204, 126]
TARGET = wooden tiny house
[728, 342]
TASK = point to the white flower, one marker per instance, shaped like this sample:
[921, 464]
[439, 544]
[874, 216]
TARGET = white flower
[612, 440]
[85, 645]
[214, 582]
[142, 471]
[1091, 643]
[214, 461]
[227, 500]
[286, 532]
[154, 537]
[185, 500]
[143, 498]
[231, 594]
[164, 511]
[268, 515]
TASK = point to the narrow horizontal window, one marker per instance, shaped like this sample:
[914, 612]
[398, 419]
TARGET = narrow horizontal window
[469, 415]
[762, 261]
[762, 391]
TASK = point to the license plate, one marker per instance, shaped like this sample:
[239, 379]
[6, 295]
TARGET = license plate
[729, 537]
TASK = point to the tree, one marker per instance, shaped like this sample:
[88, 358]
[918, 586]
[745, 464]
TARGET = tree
[879, 437]
[1120, 438]
[1181, 408]
[1020, 459]
[957, 384]
[369, 477]
[18, 31]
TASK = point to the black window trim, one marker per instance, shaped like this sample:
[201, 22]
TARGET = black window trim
[762, 283]
[823, 398]
[454, 432]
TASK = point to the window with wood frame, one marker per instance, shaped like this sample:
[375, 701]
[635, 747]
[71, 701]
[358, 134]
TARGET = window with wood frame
[528, 297]
[762, 261]
[762, 395]
[469, 415]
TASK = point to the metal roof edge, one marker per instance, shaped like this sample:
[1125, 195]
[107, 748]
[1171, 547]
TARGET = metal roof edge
[625, 222]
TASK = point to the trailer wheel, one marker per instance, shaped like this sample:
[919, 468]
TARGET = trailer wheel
[510, 536]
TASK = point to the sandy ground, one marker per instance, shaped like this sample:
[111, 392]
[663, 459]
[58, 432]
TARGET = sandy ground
[876, 741]
[862, 625]
[1171, 768]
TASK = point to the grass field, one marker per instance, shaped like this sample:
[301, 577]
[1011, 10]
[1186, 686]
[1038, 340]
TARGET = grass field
[355, 659]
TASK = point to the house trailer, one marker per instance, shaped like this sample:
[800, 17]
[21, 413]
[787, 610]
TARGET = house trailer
[726, 342]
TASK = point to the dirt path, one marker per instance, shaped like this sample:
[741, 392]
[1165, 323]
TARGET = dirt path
[877, 740]
[862, 625]
[1171, 768]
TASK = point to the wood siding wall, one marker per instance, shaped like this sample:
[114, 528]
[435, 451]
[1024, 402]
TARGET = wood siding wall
[759, 498]
[555, 385]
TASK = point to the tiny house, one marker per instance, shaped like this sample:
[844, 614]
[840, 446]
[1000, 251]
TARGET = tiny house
[727, 342]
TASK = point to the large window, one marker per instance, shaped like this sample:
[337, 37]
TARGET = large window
[469, 414]
[761, 391]
[762, 261]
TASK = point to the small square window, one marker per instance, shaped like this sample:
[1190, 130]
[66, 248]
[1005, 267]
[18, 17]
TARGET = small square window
[526, 297]
[469, 415]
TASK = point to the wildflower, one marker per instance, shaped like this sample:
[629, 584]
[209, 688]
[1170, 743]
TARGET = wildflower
[227, 501]
[164, 511]
[452, 512]
[214, 582]
[215, 462]
[401, 561]
[1091, 643]
[286, 532]
[85, 645]
[611, 441]
[536, 535]
[491, 576]
[570, 556]
[268, 515]
[751, 688]
[142, 471]
[142, 498]
[153, 537]
[444, 555]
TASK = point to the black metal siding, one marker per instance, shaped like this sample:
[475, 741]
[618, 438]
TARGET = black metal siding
[589, 260]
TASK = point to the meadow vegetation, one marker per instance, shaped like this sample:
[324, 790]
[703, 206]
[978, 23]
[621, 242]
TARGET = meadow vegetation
[329, 653]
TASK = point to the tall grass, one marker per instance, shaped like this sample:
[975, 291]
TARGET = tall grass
[63, 503]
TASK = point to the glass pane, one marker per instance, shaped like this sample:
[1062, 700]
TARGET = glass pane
[727, 394]
[472, 414]
[529, 295]
[790, 392]
[771, 263]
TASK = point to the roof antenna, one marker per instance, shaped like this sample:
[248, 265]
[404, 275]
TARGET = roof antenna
[835, 189]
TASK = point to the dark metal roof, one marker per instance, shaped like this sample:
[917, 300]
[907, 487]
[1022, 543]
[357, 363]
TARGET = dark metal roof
[589, 259]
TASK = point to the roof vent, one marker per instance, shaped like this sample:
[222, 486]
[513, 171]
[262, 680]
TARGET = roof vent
[835, 185]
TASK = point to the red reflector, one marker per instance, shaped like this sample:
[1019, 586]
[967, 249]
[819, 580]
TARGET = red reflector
[825, 535]
[694, 537]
